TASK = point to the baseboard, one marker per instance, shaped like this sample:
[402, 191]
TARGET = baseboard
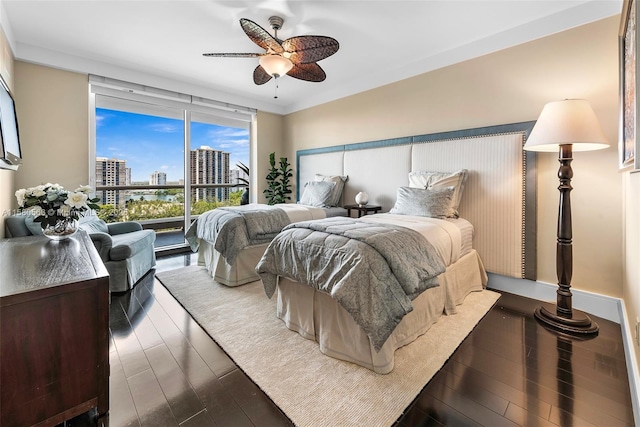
[604, 306]
[632, 364]
[600, 305]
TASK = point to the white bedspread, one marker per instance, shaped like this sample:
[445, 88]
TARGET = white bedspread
[297, 213]
[444, 235]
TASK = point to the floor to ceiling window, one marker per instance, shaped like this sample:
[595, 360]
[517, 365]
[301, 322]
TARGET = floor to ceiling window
[163, 158]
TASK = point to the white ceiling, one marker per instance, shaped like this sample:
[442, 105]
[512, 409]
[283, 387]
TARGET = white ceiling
[160, 43]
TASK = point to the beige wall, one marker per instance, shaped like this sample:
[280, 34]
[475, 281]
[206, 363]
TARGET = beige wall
[631, 286]
[54, 126]
[505, 87]
[7, 177]
[269, 138]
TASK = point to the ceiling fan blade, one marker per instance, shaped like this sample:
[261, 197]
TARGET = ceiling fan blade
[260, 36]
[310, 72]
[260, 76]
[307, 49]
[234, 55]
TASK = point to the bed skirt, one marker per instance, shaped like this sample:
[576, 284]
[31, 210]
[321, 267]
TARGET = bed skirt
[242, 271]
[316, 316]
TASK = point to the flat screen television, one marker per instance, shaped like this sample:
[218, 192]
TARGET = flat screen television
[10, 155]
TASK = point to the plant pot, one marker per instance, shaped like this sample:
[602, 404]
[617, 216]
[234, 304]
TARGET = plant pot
[62, 230]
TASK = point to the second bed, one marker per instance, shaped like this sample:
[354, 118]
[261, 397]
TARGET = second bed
[316, 314]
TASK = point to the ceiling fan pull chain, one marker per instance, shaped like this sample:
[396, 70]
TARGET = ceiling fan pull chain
[275, 92]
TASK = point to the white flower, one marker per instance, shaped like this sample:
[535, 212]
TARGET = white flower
[84, 189]
[48, 201]
[20, 195]
[77, 200]
[65, 210]
[38, 192]
[52, 186]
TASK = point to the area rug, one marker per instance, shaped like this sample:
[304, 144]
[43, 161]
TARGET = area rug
[309, 387]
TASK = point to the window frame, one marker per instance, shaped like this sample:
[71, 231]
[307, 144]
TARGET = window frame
[119, 95]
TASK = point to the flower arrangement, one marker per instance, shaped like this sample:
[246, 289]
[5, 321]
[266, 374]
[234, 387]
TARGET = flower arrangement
[55, 207]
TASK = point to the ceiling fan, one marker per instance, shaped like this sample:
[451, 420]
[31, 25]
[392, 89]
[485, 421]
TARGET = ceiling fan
[295, 56]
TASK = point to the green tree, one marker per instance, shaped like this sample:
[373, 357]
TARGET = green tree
[109, 213]
[235, 197]
[202, 206]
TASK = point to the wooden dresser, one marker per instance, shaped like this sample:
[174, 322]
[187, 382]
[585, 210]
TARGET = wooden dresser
[54, 330]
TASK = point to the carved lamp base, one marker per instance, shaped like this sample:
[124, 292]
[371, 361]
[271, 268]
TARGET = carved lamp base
[578, 324]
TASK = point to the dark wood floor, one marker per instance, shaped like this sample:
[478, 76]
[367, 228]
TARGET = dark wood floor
[166, 371]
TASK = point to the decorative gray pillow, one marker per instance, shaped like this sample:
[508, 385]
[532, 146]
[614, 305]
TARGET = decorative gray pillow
[433, 203]
[429, 179]
[337, 189]
[317, 193]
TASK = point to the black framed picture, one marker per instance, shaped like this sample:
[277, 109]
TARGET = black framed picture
[628, 37]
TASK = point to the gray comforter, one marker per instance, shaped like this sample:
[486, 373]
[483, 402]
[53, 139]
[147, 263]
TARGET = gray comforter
[373, 270]
[231, 229]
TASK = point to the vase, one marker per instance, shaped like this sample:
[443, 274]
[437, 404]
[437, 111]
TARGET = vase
[62, 230]
[362, 198]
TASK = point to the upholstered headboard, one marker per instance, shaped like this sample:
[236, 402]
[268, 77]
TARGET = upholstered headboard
[499, 196]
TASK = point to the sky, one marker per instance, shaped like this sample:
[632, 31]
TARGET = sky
[152, 143]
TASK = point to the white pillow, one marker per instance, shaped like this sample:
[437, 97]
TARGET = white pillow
[337, 189]
[435, 180]
[419, 179]
[434, 203]
[317, 193]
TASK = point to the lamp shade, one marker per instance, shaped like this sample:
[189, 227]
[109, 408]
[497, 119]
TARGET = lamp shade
[276, 65]
[571, 121]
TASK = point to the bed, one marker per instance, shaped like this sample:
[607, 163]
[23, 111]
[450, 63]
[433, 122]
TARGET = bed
[231, 240]
[342, 319]
[493, 216]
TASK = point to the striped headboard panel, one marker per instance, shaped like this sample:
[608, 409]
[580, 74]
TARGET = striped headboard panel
[499, 198]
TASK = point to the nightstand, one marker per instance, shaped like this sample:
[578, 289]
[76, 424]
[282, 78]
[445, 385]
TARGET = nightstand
[362, 210]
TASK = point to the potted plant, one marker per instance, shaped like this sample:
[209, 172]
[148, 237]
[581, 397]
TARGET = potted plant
[278, 185]
[244, 200]
[56, 210]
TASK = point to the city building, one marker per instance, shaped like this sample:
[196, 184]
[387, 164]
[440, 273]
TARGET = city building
[209, 166]
[111, 172]
[158, 178]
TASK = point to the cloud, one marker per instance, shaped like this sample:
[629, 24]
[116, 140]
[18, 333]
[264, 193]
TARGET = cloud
[235, 143]
[218, 132]
[165, 128]
[101, 117]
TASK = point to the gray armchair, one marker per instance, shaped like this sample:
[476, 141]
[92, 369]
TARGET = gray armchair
[125, 248]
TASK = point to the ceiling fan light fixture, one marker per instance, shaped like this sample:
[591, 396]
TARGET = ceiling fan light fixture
[275, 65]
[296, 56]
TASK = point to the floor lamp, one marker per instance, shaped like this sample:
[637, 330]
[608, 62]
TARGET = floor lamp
[563, 127]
